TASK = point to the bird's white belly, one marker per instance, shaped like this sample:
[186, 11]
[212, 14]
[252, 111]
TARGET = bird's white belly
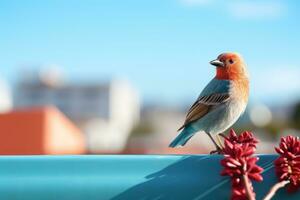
[221, 118]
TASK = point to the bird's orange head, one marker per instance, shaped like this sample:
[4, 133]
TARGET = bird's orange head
[230, 66]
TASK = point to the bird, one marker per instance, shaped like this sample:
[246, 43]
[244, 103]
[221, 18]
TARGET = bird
[221, 102]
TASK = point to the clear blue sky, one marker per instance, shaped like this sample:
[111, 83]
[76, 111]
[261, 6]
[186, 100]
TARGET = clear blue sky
[162, 46]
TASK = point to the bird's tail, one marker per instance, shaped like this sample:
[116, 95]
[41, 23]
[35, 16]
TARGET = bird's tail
[183, 137]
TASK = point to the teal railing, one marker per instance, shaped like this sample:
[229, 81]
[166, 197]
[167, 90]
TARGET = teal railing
[119, 177]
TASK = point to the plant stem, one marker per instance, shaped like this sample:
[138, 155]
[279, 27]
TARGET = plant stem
[249, 191]
[276, 187]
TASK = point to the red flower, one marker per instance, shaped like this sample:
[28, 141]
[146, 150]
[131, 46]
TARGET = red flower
[287, 166]
[244, 138]
[240, 164]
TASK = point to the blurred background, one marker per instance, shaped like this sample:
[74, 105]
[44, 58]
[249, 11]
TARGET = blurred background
[99, 77]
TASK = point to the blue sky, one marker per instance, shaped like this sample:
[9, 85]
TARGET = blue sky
[162, 46]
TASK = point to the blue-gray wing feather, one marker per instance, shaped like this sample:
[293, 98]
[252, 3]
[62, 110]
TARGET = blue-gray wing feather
[216, 86]
[215, 93]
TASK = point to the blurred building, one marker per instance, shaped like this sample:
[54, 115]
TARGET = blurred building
[42, 130]
[6, 101]
[105, 112]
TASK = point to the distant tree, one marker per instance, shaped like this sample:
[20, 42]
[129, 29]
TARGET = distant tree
[296, 116]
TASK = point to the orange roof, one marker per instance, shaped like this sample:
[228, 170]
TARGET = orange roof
[39, 131]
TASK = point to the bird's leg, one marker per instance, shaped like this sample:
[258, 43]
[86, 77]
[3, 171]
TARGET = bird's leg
[218, 148]
[219, 140]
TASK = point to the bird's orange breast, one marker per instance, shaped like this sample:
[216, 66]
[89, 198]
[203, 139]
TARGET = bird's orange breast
[241, 89]
[240, 86]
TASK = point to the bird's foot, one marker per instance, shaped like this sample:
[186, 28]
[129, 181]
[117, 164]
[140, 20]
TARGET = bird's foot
[217, 151]
[219, 146]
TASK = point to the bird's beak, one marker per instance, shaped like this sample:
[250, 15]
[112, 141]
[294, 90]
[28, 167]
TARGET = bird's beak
[217, 63]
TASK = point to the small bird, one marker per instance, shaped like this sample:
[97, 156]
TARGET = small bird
[221, 102]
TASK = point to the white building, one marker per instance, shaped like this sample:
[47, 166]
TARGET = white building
[5, 97]
[106, 112]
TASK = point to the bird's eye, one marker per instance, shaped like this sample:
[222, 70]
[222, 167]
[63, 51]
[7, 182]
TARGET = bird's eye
[231, 61]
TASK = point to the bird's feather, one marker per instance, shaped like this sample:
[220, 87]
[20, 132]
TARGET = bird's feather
[207, 100]
[216, 86]
[183, 137]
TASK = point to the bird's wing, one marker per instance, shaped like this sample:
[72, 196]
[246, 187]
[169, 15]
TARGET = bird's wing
[216, 93]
